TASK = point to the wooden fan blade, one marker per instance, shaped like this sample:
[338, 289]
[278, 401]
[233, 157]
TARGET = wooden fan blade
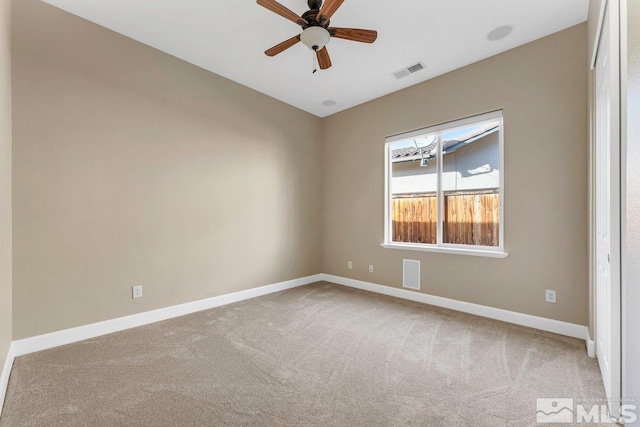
[327, 10]
[323, 58]
[282, 46]
[276, 7]
[355, 34]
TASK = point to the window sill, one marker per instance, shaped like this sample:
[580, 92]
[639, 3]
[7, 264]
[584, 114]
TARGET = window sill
[445, 250]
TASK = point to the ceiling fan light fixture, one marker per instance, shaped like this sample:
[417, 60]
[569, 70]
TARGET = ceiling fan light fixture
[315, 38]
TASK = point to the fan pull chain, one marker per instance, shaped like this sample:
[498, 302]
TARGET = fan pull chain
[315, 68]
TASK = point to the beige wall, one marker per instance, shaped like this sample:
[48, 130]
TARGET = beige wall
[5, 179]
[133, 167]
[542, 87]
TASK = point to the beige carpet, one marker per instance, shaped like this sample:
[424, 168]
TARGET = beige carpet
[319, 355]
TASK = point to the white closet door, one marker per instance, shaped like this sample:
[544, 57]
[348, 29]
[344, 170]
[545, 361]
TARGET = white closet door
[607, 201]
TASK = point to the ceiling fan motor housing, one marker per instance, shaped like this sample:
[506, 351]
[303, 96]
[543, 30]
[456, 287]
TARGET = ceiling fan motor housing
[310, 17]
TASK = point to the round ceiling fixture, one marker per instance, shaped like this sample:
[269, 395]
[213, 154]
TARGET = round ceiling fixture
[329, 103]
[315, 38]
[500, 33]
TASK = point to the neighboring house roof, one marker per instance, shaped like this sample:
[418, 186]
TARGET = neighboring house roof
[413, 153]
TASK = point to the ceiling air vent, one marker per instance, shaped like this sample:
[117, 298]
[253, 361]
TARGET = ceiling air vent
[408, 70]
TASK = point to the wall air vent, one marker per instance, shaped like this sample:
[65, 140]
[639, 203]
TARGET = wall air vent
[409, 70]
[411, 274]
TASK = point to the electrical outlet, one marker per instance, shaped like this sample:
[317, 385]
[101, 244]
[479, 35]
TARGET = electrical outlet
[349, 265]
[137, 291]
[371, 269]
[550, 296]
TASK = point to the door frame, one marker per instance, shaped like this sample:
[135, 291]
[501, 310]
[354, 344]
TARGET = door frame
[616, 7]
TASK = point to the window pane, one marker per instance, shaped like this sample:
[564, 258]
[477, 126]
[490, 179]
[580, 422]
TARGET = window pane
[471, 185]
[414, 186]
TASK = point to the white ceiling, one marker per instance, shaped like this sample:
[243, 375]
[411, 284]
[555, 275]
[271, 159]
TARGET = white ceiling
[228, 37]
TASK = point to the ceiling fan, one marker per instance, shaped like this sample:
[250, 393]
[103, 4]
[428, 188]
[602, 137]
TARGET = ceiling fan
[316, 31]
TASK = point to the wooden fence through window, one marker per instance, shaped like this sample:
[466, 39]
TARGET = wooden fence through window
[470, 218]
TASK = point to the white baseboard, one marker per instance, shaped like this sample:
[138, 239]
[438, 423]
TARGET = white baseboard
[4, 376]
[68, 336]
[542, 323]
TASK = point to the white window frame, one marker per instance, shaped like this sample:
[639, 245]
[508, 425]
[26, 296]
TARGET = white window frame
[440, 246]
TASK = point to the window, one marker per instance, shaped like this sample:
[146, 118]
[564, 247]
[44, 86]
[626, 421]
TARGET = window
[444, 187]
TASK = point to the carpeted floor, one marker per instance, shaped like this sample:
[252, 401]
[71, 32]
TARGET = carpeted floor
[318, 355]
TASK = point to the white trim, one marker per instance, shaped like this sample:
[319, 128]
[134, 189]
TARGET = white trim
[80, 333]
[592, 209]
[497, 252]
[502, 180]
[542, 323]
[6, 372]
[68, 336]
[439, 201]
[445, 250]
[387, 193]
[594, 56]
[627, 335]
[591, 348]
[450, 125]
